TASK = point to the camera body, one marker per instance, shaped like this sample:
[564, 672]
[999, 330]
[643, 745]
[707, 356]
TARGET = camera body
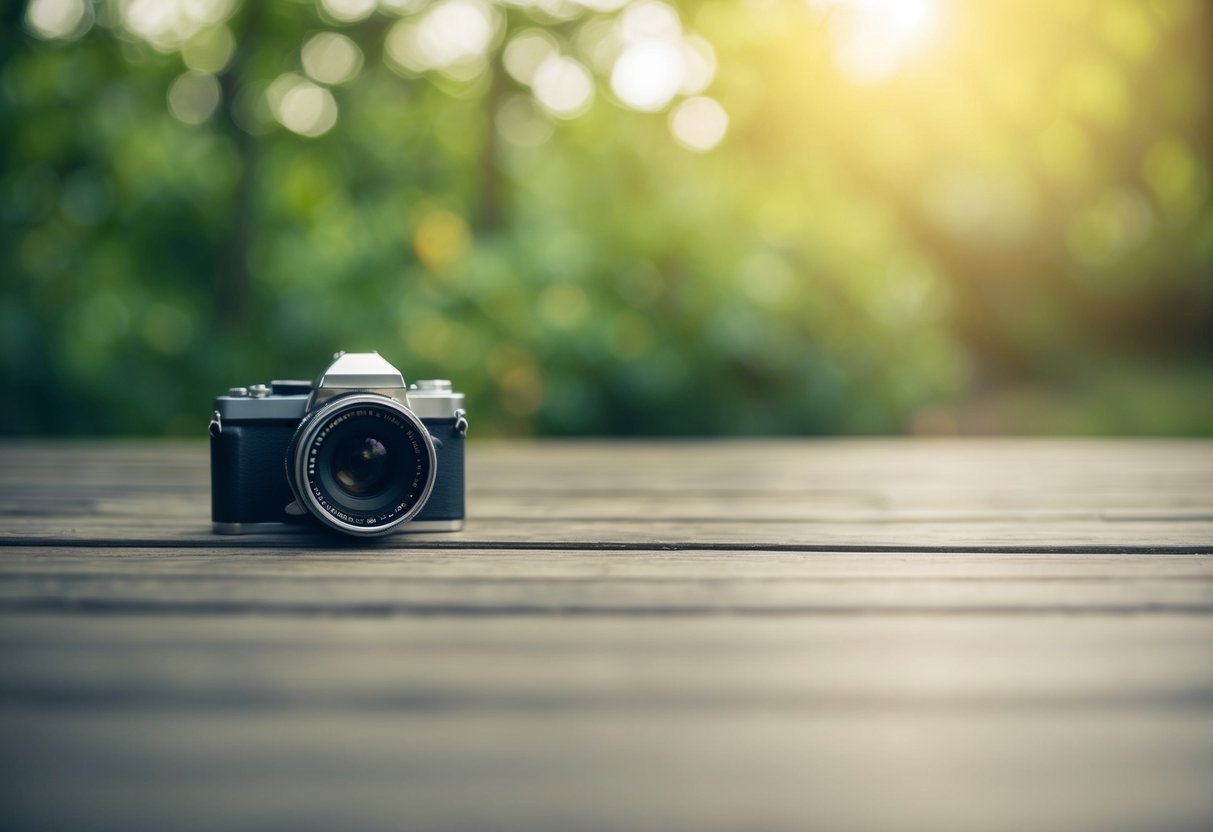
[359, 452]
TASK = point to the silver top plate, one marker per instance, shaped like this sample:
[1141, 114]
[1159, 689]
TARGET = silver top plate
[427, 404]
[367, 372]
[270, 407]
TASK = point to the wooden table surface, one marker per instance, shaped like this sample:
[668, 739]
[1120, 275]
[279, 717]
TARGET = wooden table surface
[775, 635]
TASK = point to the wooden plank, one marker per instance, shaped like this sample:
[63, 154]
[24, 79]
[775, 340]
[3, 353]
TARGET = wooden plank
[601, 583]
[551, 564]
[1008, 495]
[1095, 771]
[990, 475]
[907, 663]
[1175, 536]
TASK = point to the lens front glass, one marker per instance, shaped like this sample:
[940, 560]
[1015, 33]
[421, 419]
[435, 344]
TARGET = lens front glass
[362, 466]
[366, 464]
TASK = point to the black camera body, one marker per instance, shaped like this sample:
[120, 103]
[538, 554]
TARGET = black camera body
[358, 452]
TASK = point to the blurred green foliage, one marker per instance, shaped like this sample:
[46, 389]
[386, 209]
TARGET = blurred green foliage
[928, 216]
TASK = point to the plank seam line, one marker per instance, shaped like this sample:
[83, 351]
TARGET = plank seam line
[328, 544]
[52, 699]
[52, 604]
[143, 575]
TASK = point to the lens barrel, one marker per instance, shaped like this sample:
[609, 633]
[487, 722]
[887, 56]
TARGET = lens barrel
[362, 464]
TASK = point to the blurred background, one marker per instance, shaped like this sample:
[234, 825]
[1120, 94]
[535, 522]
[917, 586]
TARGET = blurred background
[613, 217]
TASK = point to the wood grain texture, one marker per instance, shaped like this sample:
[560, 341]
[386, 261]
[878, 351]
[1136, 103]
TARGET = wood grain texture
[998, 495]
[851, 635]
[556, 582]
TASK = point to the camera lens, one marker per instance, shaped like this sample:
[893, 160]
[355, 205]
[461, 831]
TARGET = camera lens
[363, 463]
[362, 466]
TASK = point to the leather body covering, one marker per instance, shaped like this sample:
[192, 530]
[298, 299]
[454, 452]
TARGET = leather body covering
[248, 473]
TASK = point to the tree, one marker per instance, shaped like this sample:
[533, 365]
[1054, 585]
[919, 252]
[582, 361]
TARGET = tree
[613, 218]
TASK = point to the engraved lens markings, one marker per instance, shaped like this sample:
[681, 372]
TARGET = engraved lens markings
[317, 445]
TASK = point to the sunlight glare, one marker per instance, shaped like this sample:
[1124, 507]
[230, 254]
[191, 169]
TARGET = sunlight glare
[649, 20]
[456, 30]
[167, 24]
[699, 123]
[58, 18]
[699, 60]
[347, 11]
[648, 74]
[526, 51]
[563, 86]
[874, 38]
[302, 106]
[657, 61]
[453, 36]
[331, 58]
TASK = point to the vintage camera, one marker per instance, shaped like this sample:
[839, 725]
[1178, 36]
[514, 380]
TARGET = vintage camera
[359, 452]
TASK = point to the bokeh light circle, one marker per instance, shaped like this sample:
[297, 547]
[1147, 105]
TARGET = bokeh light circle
[699, 123]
